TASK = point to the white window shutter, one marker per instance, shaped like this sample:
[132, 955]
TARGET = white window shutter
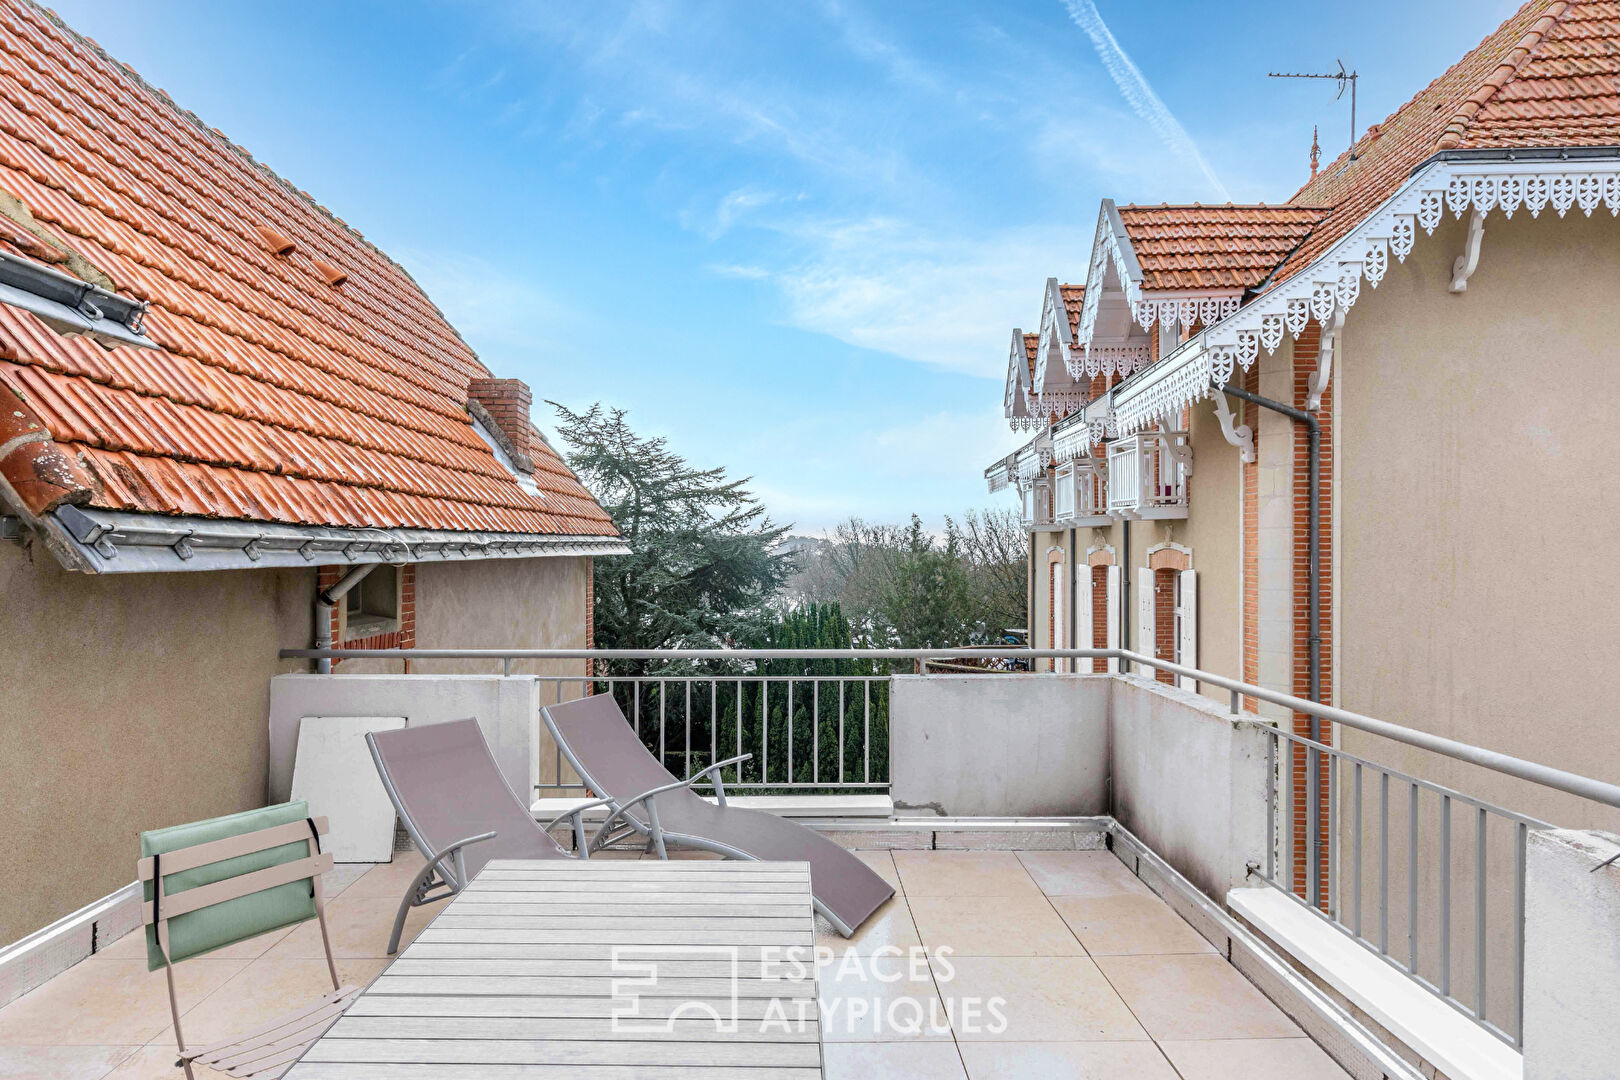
[1082, 615]
[1112, 637]
[1189, 626]
[1147, 634]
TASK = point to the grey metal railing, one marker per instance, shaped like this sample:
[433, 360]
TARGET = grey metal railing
[822, 733]
[1317, 832]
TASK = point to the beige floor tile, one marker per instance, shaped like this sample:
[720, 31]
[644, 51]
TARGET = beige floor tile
[1082, 873]
[264, 990]
[691, 854]
[889, 927]
[133, 946]
[108, 1001]
[993, 926]
[359, 926]
[387, 879]
[963, 873]
[1032, 999]
[1066, 1061]
[1195, 997]
[883, 863]
[1253, 1059]
[1123, 925]
[156, 1062]
[341, 876]
[61, 1062]
[892, 1061]
[880, 999]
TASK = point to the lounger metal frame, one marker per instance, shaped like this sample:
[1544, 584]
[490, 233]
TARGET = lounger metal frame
[658, 838]
[445, 872]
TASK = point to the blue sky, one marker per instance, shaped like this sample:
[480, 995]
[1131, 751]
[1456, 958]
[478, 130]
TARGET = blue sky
[792, 237]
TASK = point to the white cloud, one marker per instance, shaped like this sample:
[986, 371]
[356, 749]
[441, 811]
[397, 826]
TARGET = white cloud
[733, 208]
[494, 308]
[940, 300]
[948, 443]
[1134, 87]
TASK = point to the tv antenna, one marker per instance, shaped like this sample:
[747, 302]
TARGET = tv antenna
[1342, 77]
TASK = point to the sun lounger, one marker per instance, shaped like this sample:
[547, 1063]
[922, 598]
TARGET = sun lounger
[458, 809]
[649, 802]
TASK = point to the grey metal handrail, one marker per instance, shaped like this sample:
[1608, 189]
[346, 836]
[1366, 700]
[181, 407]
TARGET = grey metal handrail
[1558, 779]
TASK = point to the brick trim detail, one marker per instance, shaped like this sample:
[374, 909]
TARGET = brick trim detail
[1169, 558]
[1307, 352]
[403, 638]
[1099, 610]
[1164, 618]
[1251, 543]
[590, 619]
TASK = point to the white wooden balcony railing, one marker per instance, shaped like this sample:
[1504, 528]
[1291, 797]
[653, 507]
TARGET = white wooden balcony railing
[1037, 509]
[1081, 493]
[1147, 475]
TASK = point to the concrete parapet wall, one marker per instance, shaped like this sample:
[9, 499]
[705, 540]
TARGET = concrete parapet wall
[507, 709]
[1189, 780]
[999, 745]
[1571, 956]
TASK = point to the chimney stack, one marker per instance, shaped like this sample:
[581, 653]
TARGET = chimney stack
[502, 406]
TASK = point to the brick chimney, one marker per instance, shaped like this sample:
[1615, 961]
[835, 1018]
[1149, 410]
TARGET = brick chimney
[502, 406]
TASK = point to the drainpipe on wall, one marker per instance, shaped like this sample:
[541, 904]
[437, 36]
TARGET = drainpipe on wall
[1124, 597]
[1313, 531]
[1029, 635]
[325, 601]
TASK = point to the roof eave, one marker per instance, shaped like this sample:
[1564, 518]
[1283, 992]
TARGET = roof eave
[116, 542]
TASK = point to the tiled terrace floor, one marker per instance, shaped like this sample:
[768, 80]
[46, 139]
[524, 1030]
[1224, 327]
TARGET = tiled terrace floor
[1097, 977]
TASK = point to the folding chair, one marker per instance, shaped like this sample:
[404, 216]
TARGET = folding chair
[213, 883]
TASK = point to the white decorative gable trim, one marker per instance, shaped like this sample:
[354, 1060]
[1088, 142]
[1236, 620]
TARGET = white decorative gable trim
[1015, 396]
[1206, 308]
[1332, 284]
[1055, 335]
[1109, 247]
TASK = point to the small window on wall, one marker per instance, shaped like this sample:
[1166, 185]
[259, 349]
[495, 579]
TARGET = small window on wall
[372, 606]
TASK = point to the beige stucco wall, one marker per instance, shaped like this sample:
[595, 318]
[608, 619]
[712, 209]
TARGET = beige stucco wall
[1477, 512]
[495, 604]
[127, 702]
[131, 702]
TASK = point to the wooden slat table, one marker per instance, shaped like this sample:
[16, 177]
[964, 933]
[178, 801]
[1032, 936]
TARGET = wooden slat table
[545, 969]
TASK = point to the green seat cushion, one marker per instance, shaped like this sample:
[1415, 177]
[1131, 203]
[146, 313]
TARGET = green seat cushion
[219, 925]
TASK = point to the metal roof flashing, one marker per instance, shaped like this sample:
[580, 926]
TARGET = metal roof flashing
[69, 305]
[113, 542]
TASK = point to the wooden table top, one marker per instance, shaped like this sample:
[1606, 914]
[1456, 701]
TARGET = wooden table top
[607, 968]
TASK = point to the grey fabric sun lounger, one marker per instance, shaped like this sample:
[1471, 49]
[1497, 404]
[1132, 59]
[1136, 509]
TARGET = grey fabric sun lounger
[609, 757]
[458, 809]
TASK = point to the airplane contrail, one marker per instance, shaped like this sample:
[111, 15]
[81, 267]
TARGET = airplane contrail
[1136, 91]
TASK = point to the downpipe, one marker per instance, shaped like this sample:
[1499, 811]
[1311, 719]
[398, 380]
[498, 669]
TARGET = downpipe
[327, 599]
[1313, 532]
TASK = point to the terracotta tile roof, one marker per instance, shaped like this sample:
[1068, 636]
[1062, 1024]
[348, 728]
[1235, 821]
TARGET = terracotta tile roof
[1074, 298]
[1032, 349]
[1213, 247]
[1548, 76]
[275, 395]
